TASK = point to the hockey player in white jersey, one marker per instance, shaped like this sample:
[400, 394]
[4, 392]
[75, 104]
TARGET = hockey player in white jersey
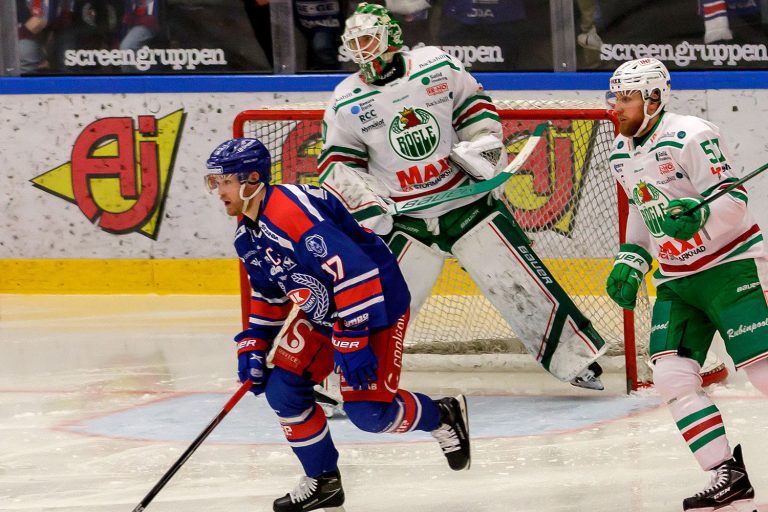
[713, 268]
[413, 123]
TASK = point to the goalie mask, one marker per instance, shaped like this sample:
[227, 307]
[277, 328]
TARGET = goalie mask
[649, 77]
[240, 157]
[370, 38]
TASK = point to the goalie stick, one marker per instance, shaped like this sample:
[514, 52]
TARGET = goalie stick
[479, 187]
[730, 187]
[242, 390]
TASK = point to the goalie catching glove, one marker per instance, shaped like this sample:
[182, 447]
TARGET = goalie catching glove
[684, 226]
[629, 269]
[252, 361]
[365, 196]
[481, 158]
[354, 356]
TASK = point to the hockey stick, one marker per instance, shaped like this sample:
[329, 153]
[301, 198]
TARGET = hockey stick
[242, 390]
[730, 187]
[475, 188]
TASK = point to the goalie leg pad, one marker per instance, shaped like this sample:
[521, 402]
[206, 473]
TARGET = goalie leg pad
[420, 264]
[499, 259]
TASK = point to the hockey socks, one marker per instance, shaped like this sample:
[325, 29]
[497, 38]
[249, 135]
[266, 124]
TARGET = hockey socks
[311, 441]
[701, 425]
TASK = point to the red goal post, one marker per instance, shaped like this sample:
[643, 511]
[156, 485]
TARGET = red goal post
[565, 198]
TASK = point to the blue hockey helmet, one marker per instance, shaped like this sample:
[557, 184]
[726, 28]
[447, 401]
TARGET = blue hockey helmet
[241, 157]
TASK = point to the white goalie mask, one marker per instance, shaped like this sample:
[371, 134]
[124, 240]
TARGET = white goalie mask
[649, 77]
[370, 36]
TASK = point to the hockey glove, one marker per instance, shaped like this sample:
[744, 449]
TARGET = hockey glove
[629, 269]
[354, 356]
[684, 226]
[252, 361]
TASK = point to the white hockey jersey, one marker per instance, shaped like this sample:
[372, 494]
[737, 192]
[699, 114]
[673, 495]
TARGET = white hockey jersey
[684, 156]
[402, 132]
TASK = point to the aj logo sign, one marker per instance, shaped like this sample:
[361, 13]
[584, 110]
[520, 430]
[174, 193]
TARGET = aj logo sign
[120, 172]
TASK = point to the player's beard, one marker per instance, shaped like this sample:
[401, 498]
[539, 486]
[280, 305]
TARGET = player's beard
[628, 127]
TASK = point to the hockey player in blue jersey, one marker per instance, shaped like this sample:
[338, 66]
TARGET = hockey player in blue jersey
[300, 246]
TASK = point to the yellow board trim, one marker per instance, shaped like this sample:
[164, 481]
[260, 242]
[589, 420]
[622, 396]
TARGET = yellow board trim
[221, 277]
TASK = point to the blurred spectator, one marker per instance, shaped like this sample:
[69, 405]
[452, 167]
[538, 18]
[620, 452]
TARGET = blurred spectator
[141, 23]
[85, 24]
[415, 17]
[496, 34]
[34, 19]
[259, 16]
[588, 38]
[321, 22]
[715, 14]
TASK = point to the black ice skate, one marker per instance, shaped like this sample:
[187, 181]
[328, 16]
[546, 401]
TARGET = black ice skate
[730, 485]
[324, 491]
[590, 378]
[453, 432]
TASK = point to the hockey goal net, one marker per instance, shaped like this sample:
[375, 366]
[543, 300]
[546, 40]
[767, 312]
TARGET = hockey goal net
[564, 198]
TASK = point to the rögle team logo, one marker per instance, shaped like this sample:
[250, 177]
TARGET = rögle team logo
[119, 175]
[414, 134]
[652, 204]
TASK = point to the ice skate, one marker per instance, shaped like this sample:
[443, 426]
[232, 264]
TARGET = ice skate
[453, 432]
[589, 378]
[323, 492]
[729, 487]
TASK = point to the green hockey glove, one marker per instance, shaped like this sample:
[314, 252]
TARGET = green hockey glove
[629, 269]
[684, 226]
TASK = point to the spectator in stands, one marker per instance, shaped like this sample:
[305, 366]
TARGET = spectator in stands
[34, 19]
[141, 23]
[85, 24]
[321, 22]
[259, 16]
[588, 38]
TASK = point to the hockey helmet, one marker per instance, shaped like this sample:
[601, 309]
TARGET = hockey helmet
[647, 76]
[240, 157]
[371, 35]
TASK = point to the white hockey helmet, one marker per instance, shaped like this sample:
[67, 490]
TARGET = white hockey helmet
[370, 36]
[647, 76]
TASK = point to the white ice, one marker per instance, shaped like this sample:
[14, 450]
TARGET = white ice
[99, 395]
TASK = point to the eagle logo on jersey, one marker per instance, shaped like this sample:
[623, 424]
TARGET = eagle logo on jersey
[414, 133]
[652, 204]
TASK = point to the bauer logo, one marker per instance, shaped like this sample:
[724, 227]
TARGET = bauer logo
[120, 172]
[414, 134]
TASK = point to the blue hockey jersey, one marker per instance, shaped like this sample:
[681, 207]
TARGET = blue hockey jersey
[306, 249]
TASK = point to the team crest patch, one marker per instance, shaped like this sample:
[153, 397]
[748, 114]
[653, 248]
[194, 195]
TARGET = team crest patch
[316, 245]
[414, 134]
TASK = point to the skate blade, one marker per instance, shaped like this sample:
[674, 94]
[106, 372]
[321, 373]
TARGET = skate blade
[736, 506]
[465, 415]
[334, 509]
